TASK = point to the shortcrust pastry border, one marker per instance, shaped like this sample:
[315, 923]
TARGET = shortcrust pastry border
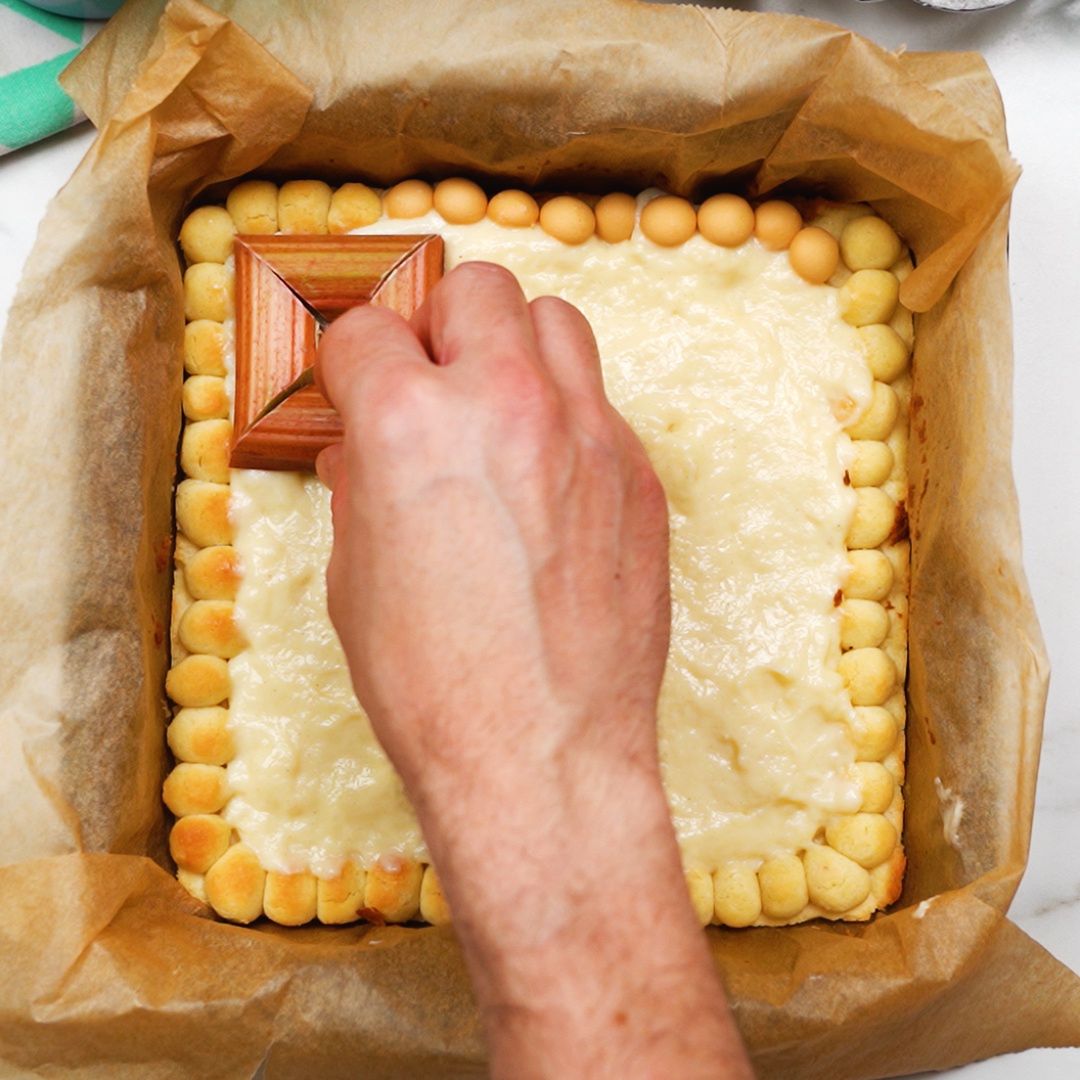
[855, 869]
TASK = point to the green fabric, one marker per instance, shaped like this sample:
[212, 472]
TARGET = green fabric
[32, 105]
[35, 46]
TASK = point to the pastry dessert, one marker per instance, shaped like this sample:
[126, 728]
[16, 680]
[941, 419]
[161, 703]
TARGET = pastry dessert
[762, 356]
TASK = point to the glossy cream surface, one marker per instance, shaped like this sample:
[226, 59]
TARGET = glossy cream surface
[732, 370]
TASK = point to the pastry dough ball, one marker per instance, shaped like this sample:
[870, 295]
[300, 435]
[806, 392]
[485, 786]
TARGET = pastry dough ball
[874, 733]
[879, 418]
[814, 255]
[870, 676]
[409, 199]
[198, 841]
[887, 878]
[208, 292]
[433, 906]
[869, 296]
[864, 624]
[340, 899]
[290, 899]
[393, 889]
[877, 786]
[567, 219]
[727, 220]
[873, 520]
[887, 353]
[699, 885]
[213, 573]
[235, 884]
[870, 575]
[616, 214]
[669, 220]
[304, 207]
[198, 681]
[204, 450]
[353, 206]
[254, 207]
[783, 887]
[207, 235]
[775, 224]
[872, 463]
[513, 209]
[194, 883]
[202, 512]
[204, 347]
[868, 243]
[834, 882]
[205, 398]
[460, 201]
[736, 895]
[868, 839]
[195, 789]
[209, 626]
[201, 735]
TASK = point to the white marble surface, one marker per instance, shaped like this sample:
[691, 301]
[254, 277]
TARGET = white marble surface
[1034, 49]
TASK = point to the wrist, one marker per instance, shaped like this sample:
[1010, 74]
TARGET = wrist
[533, 861]
[505, 834]
[572, 910]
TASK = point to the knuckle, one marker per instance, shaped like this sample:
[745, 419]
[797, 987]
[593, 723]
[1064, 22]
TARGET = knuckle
[565, 319]
[600, 456]
[399, 404]
[479, 270]
[392, 390]
[566, 322]
[552, 306]
[525, 395]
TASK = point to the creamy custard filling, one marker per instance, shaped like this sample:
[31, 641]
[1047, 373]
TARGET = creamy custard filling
[731, 369]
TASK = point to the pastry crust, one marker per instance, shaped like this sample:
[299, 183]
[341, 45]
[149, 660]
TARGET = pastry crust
[197, 841]
[235, 885]
[392, 890]
[202, 512]
[197, 680]
[433, 906]
[857, 866]
[201, 736]
[340, 899]
[290, 899]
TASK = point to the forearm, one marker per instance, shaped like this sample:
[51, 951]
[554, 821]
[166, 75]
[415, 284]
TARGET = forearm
[573, 915]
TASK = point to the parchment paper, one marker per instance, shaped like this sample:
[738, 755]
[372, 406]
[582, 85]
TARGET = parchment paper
[108, 966]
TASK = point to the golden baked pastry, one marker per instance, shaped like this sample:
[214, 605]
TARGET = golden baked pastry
[797, 811]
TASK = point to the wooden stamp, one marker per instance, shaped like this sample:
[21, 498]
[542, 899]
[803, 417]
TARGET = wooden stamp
[287, 289]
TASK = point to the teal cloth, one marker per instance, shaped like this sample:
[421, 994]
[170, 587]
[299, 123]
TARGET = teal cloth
[35, 46]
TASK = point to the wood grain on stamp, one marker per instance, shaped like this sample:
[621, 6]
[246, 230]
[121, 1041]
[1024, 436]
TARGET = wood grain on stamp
[285, 287]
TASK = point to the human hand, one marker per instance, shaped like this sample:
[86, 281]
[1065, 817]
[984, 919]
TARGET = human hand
[499, 578]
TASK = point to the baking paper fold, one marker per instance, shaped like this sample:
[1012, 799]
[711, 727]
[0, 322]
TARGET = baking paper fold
[109, 967]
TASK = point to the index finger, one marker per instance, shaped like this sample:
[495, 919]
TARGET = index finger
[477, 315]
[360, 345]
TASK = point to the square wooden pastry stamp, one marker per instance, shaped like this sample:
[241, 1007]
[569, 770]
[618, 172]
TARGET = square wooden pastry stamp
[287, 288]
